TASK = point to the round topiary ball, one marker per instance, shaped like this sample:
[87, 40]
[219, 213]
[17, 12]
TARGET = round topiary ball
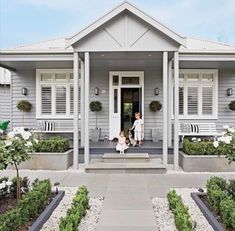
[95, 106]
[232, 105]
[155, 106]
[24, 106]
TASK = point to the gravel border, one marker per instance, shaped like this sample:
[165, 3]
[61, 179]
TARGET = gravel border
[194, 211]
[88, 223]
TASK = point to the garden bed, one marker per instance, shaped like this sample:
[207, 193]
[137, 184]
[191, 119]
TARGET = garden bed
[32, 210]
[49, 161]
[205, 163]
[218, 204]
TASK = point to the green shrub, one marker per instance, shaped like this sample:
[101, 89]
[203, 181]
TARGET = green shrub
[221, 200]
[231, 187]
[27, 208]
[183, 221]
[199, 148]
[52, 144]
[24, 185]
[77, 211]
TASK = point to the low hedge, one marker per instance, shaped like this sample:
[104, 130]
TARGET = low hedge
[221, 198]
[27, 208]
[183, 221]
[52, 144]
[77, 211]
[199, 148]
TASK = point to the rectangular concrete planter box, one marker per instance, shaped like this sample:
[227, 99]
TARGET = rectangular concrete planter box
[205, 163]
[49, 161]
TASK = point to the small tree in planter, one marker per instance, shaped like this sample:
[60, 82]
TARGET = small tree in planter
[155, 106]
[24, 106]
[232, 105]
[96, 106]
[16, 149]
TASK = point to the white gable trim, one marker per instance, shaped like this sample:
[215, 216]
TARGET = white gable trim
[135, 11]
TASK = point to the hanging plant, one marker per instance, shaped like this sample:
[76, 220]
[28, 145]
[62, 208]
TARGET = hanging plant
[24, 106]
[232, 105]
[96, 106]
[155, 106]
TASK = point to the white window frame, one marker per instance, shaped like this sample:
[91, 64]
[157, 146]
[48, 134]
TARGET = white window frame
[53, 83]
[200, 72]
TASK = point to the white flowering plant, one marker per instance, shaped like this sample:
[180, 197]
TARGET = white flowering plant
[5, 186]
[15, 149]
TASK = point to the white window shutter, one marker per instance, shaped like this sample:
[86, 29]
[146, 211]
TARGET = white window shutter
[181, 100]
[60, 100]
[207, 100]
[71, 100]
[192, 100]
[46, 100]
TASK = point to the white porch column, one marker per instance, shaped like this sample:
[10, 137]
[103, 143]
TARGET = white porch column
[170, 103]
[176, 110]
[82, 87]
[86, 111]
[165, 107]
[76, 116]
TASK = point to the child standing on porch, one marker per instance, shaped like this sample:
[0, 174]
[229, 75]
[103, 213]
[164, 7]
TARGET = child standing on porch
[138, 127]
[121, 146]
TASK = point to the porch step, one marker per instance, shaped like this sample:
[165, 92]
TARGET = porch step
[153, 166]
[125, 158]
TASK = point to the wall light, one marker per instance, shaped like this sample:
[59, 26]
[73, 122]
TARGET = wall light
[229, 92]
[96, 91]
[156, 91]
[24, 91]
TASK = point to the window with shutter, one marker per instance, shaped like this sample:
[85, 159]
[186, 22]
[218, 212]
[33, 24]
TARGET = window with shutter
[198, 94]
[55, 93]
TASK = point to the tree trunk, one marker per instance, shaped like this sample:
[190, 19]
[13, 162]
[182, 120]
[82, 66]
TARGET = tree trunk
[18, 194]
[96, 120]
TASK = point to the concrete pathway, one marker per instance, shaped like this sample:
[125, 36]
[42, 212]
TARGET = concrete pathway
[127, 204]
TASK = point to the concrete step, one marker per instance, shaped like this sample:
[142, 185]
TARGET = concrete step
[125, 158]
[154, 166]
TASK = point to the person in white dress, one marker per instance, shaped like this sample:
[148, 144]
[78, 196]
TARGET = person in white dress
[121, 145]
[138, 127]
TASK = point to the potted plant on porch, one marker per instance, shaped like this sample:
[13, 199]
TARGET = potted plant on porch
[95, 106]
[24, 106]
[155, 106]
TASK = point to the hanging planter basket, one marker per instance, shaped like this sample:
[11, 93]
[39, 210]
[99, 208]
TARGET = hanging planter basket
[232, 105]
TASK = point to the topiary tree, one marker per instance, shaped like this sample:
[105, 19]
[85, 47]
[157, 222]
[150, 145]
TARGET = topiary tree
[232, 105]
[24, 106]
[155, 106]
[16, 149]
[96, 106]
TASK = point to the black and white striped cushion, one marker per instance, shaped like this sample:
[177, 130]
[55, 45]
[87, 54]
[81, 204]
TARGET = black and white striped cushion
[49, 126]
[194, 128]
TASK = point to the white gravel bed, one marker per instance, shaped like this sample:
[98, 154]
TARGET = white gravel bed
[163, 215]
[52, 223]
[194, 211]
[88, 223]
[91, 219]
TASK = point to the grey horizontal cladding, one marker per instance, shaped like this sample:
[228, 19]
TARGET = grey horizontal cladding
[20, 79]
[5, 102]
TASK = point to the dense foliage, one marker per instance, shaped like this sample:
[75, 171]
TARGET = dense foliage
[24, 106]
[52, 144]
[155, 106]
[221, 198]
[183, 221]
[27, 208]
[76, 212]
[224, 145]
[95, 106]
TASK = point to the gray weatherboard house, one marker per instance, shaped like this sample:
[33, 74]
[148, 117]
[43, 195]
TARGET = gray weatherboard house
[125, 60]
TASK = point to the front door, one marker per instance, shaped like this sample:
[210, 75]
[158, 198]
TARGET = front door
[126, 96]
[130, 104]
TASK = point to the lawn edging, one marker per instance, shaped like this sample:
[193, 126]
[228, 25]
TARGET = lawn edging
[44, 216]
[205, 163]
[206, 212]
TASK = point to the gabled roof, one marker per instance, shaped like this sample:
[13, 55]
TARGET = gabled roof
[116, 11]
